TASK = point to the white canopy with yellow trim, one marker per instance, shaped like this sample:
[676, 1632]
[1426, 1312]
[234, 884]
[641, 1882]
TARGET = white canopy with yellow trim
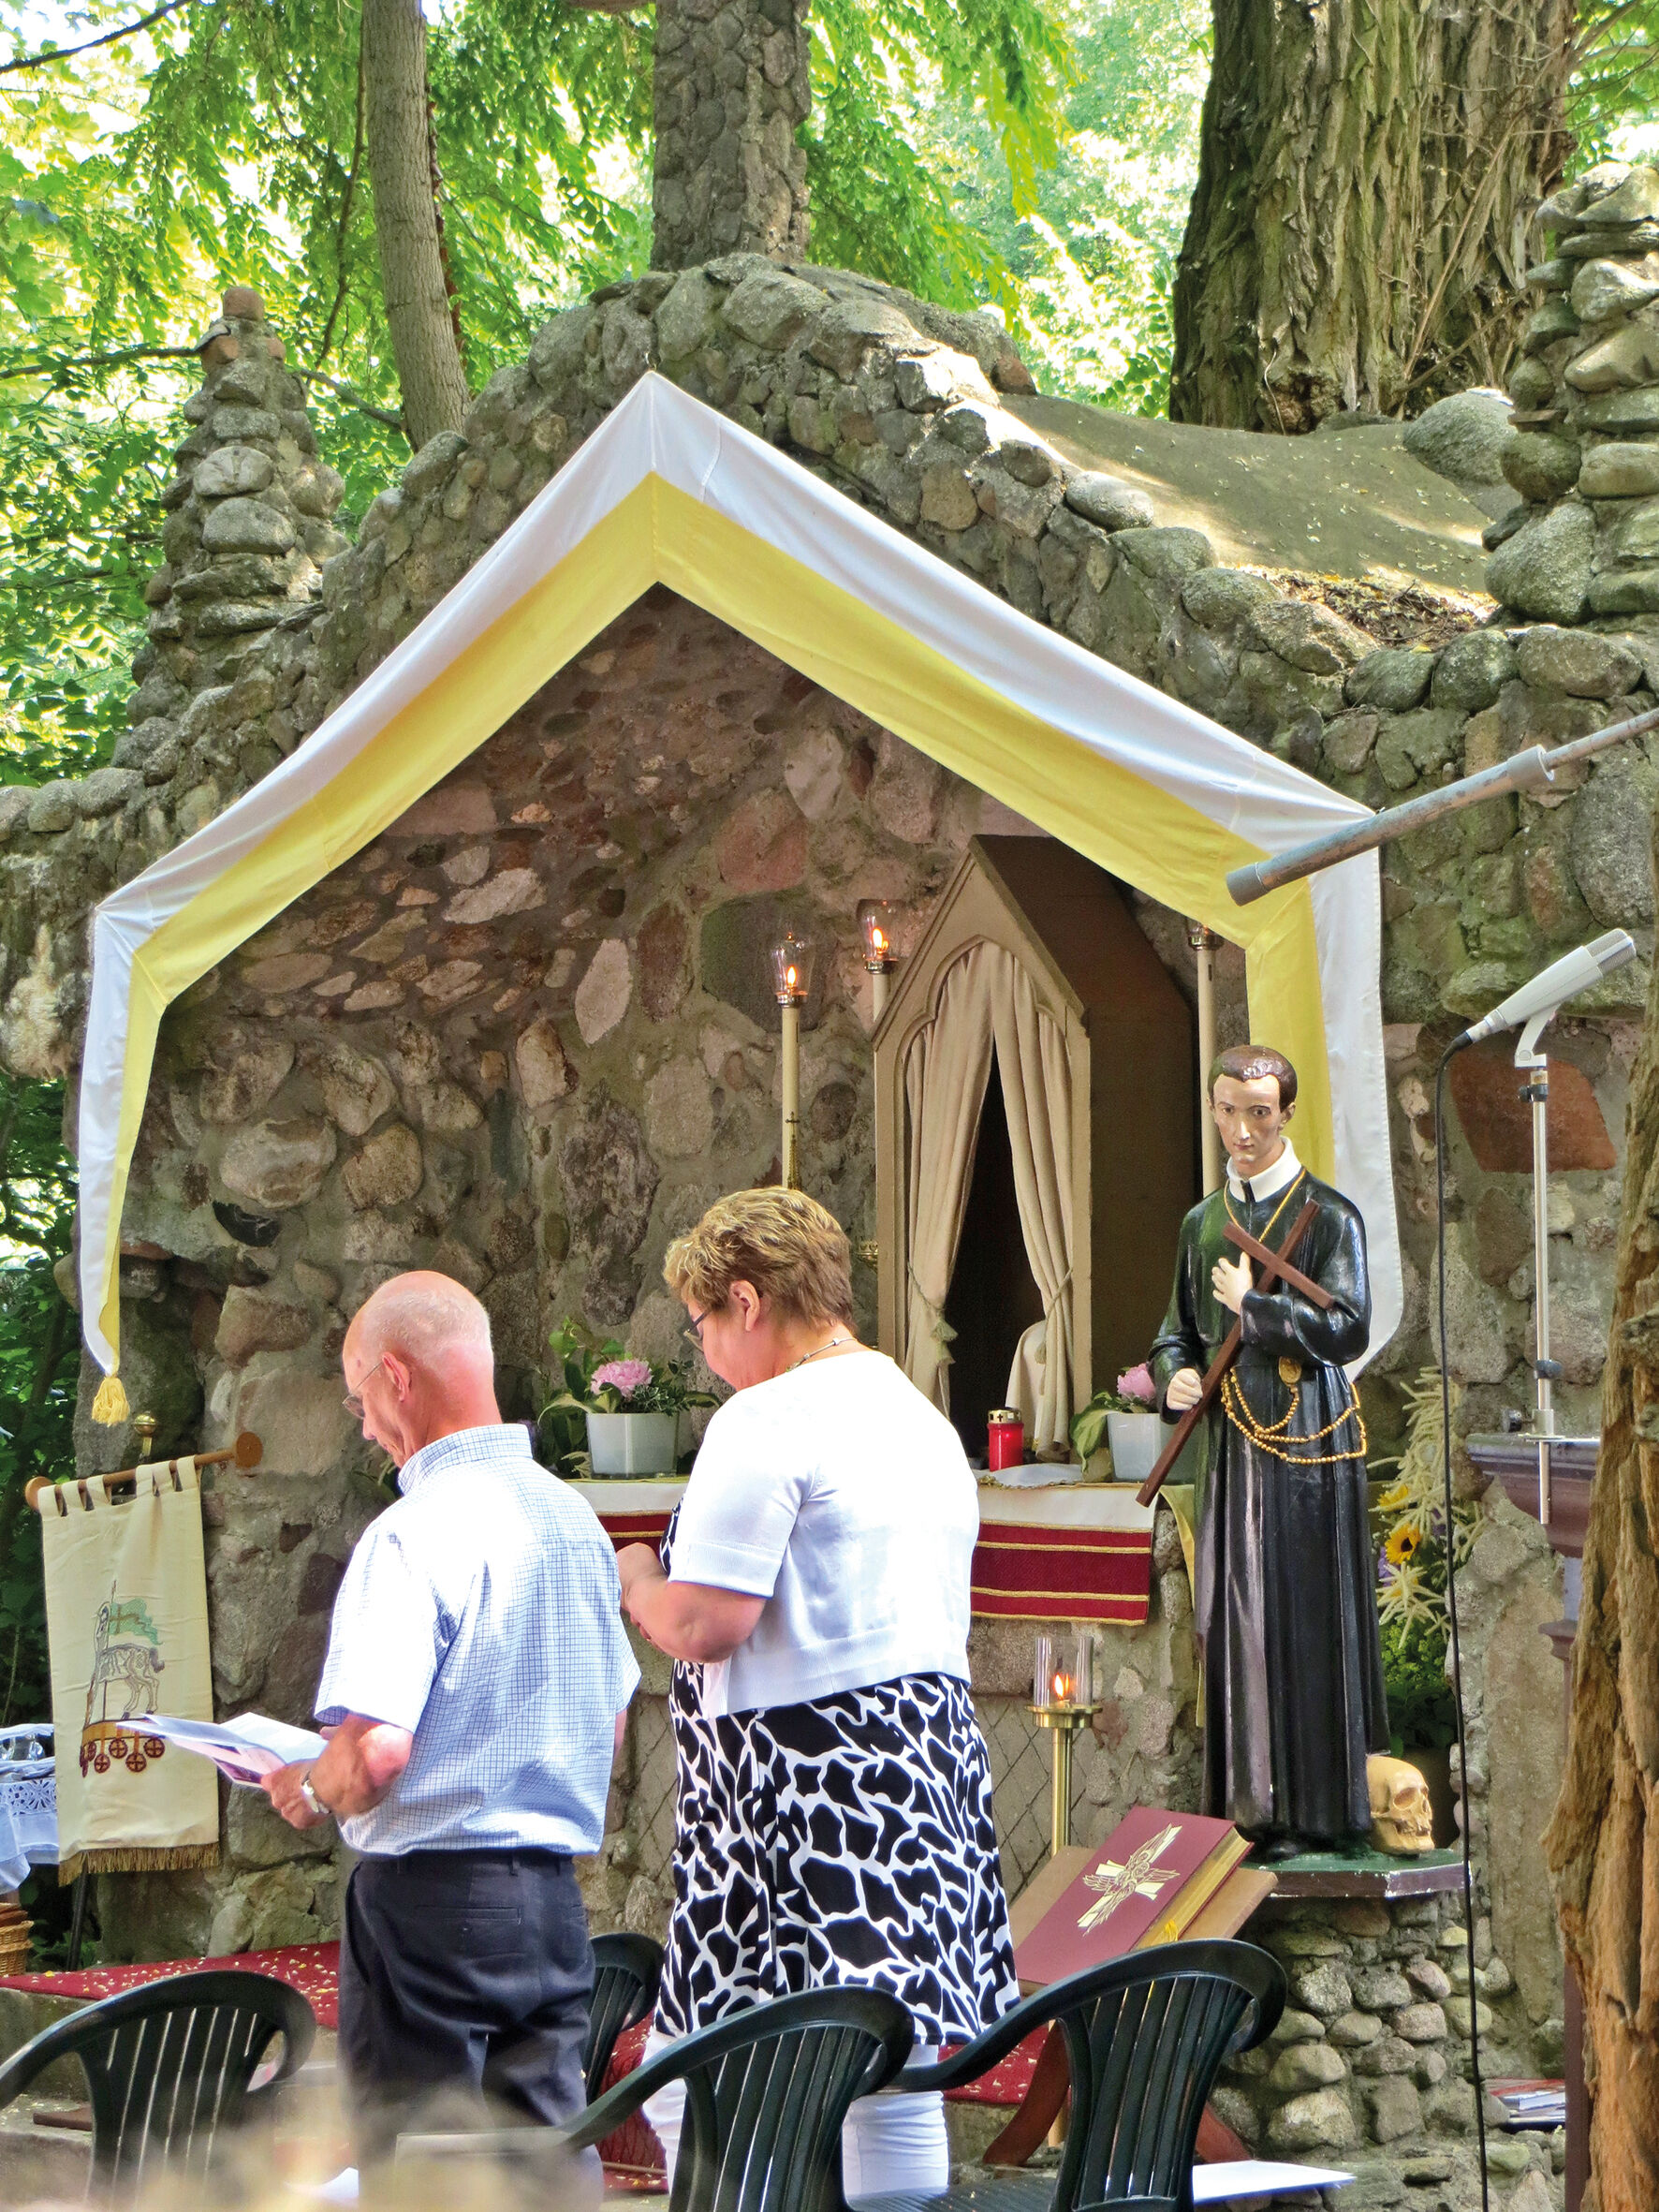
[669, 492]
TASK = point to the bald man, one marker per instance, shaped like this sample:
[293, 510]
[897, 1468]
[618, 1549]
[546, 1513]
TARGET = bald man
[473, 1697]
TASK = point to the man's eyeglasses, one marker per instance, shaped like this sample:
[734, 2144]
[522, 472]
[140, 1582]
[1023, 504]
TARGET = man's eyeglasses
[692, 1331]
[353, 1401]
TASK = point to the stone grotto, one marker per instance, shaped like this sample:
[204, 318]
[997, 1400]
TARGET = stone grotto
[523, 1036]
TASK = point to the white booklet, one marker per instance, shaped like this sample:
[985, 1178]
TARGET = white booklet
[246, 1749]
[1259, 2178]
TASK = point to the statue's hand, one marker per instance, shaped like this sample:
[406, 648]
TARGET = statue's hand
[1229, 1282]
[1185, 1386]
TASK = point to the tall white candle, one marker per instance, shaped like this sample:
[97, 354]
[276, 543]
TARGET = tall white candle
[791, 1157]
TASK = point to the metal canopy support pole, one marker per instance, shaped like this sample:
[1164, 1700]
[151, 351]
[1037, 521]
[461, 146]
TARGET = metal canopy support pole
[1203, 941]
[1535, 1064]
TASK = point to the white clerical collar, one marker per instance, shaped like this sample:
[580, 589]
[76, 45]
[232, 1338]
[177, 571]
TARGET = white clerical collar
[1271, 1181]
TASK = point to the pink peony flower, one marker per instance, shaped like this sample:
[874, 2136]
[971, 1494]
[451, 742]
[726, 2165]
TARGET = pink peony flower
[624, 1376]
[1139, 1383]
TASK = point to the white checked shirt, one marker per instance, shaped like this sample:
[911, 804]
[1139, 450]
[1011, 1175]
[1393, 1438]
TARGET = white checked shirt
[482, 1611]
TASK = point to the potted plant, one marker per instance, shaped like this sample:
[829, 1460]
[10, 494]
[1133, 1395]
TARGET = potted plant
[624, 1411]
[1129, 1421]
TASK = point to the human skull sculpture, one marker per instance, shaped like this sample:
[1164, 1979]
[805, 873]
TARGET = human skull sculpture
[1401, 1818]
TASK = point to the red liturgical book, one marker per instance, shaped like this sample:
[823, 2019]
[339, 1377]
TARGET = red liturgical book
[1145, 1885]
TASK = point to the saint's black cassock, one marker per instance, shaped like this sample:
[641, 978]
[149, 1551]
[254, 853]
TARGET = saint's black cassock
[1283, 1577]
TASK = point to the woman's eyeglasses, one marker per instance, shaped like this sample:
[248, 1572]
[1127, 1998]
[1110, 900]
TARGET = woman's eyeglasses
[692, 1331]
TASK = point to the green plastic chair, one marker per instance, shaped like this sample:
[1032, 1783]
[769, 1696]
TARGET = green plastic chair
[626, 1972]
[767, 2092]
[170, 2068]
[1145, 2036]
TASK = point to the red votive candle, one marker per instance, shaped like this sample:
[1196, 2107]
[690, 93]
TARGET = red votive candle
[1007, 1438]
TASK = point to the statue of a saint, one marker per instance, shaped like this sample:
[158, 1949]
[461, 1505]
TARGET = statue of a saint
[1284, 1590]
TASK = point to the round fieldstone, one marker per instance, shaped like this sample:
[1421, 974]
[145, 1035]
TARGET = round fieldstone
[1394, 680]
[1461, 439]
[252, 1320]
[545, 1074]
[1544, 570]
[1472, 671]
[1307, 2066]
[602, 996]
[277, 1164]
[1620, 471]
[246, 526]
[387, 1172]
[1103, 500]
[1420, 2024]
[246, 1075]
[1324, 1989]
[232, 470]
[1540, 465]
[1581, 663]
[1322, 2119]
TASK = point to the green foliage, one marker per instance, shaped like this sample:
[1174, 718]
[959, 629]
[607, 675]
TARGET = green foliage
[1422, 1715]
[38, 1364]
[1613, 92]
[1090, 252]
[576, 1390]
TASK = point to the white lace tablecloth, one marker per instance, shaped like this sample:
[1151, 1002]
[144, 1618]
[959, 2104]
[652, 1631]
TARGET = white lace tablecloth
[28, 1804]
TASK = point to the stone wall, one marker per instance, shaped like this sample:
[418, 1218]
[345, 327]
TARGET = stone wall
[524, 1035]
[730, 87]
[1369, 2067]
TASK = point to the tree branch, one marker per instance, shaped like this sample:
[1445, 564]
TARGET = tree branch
[62, 54]
[101, 361]
[353, 398]
[345, 198]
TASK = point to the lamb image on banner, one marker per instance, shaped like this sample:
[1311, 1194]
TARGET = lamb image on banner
[126, 1620]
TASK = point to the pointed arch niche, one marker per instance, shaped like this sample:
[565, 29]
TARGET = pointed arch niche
[1034, 1021]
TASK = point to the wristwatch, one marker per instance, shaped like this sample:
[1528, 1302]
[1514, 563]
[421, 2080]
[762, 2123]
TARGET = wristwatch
[310, 1797]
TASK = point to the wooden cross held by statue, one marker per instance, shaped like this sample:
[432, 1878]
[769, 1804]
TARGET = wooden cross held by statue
[1275, 1267]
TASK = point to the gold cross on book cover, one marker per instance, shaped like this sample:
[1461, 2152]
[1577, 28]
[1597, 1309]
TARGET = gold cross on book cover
[1153, 1880]
[1139, 1875]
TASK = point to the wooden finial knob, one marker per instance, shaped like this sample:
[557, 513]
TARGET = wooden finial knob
[248, 1450]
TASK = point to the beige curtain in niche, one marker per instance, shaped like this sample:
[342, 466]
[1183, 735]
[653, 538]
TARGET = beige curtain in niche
[987, 1002]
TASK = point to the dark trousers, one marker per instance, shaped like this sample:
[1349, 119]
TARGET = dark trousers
[465, 1976]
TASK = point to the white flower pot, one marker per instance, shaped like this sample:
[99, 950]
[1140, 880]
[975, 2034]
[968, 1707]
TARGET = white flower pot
[633, 1443]
[1135, 1440]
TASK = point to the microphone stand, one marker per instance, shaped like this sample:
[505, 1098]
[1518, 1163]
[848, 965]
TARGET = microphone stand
[1535, 1064]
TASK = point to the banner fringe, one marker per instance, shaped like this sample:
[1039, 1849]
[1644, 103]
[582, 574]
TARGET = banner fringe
[166, 1859]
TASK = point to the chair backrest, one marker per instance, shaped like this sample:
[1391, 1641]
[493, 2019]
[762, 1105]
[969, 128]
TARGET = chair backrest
[1145, 2036]
[765, 2093]
[626, 1970]
[169, 2067]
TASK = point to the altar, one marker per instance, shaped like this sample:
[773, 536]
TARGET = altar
[1076, 1551]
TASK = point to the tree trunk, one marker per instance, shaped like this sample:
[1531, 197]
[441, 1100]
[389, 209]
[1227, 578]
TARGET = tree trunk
[423, 339]
[1601, 1845]
[1367, 172]
[731, 88]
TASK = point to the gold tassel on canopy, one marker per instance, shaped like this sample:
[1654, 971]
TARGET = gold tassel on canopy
[109, 1408]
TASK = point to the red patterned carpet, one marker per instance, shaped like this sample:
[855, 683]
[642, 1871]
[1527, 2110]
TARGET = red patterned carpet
[312, 1968]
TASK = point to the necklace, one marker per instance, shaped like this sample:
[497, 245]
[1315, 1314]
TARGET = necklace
[818, 1354]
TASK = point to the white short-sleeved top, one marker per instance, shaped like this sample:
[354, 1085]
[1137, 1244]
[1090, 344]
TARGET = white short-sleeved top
[841, 1495]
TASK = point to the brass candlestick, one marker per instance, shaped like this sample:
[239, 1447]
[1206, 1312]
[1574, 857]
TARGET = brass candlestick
[1063, 1723]
[1065, 1695]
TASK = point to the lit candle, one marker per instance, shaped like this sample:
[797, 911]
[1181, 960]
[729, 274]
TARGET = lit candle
[1063, 1687]
[878, 954]
[792, 977]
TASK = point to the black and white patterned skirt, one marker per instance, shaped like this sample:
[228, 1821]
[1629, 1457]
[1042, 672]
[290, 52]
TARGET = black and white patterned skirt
[845, 1841]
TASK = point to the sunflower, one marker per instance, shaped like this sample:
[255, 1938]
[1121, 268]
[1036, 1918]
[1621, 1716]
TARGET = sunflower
[1403, 1540]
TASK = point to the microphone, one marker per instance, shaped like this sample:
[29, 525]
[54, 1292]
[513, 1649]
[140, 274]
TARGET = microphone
[1564, 978]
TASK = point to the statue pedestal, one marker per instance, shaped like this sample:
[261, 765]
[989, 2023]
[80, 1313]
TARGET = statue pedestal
[1369, 2067]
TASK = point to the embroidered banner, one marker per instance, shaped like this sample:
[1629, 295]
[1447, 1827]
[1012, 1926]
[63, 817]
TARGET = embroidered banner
[126, 1622]
[1077, 1552]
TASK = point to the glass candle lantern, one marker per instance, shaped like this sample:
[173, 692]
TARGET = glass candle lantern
[792, 969]
[1067, 1671]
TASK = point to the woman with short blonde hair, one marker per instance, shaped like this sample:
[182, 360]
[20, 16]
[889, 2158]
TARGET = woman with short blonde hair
[832, 1808]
